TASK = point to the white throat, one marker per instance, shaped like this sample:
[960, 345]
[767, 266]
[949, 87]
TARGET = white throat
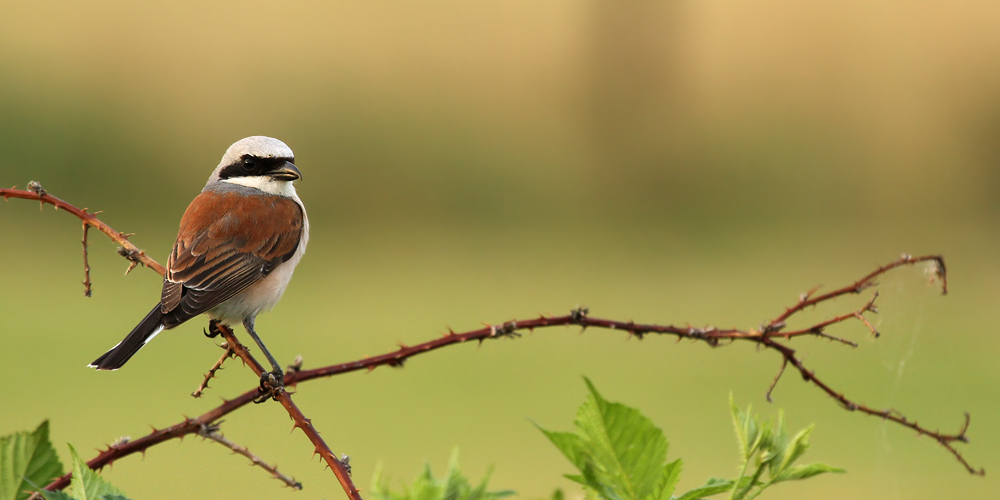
[266, 184]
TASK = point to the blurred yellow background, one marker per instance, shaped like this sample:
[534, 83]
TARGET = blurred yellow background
[466, 162]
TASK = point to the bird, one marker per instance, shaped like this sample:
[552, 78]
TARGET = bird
[237, 247]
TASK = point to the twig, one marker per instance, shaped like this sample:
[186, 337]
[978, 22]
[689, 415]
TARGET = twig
[397, 357]
[944, 439]
[301, 422]
[212, 432]
[774, 383]
[766, 337]
[86, 265]
[868, 281]
[135, 255]
[211, 372]
[129, 251]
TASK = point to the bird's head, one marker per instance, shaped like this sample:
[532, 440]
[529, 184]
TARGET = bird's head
[259, 162]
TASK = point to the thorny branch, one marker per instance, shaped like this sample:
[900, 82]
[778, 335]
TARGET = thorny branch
[212, 432]
[131, 252]
[340, 469]
[211, 371]
[136, 256]
[86, 265]
[767, 337]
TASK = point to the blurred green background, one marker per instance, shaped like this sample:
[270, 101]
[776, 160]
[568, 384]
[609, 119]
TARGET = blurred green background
[674, 162]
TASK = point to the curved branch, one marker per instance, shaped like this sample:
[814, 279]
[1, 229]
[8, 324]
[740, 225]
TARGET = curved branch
[766, 337]
[339, 468]
[129, 251]
[135, 255]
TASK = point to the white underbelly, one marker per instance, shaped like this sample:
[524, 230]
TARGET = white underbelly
[265, 294]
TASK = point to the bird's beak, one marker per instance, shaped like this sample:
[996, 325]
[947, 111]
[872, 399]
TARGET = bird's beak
[285, 172]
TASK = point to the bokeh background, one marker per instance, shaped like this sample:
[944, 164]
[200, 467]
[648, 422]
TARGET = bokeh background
[678, 162]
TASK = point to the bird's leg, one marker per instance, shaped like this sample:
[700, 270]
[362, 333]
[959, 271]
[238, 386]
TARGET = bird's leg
[213, 329]
[271, 383]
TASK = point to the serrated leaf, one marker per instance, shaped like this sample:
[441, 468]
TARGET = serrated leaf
[774, 451]
[27, 457]
[594, 485]
[568, 443]
[453, 480]
[626, 450]
[806, 471]
[796, 447]
[669, 476]
[114, 497]
[714, 486]
[747, 431]
[453, 486]
[86, 483]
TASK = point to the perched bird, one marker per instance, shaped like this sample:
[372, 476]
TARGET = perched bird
[236, 249]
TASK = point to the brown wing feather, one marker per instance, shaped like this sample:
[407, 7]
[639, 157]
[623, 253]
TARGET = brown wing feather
[227, 242]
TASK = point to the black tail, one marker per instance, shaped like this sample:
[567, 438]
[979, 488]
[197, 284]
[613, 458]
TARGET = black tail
[151, 325]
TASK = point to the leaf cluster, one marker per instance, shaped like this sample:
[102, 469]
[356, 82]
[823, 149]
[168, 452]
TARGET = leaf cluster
[27, 459]
[453, 486]
[767, 447]
[621, 455]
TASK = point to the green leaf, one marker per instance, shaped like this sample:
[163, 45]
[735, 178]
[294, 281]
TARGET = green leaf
[796, 447]
[775, 449]
[668, 481]
[27, 457]
[86, 483]
[806, 471]
[747, 431]
[453, 486]
[625, 449]
[568, 443]
[714, 486]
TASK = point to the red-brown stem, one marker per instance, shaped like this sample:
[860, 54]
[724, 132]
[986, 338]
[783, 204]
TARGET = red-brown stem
[86, 264]
[132, 252]
[508, 330]
[866, 282]
[301, 421]
[211, 372]
[943, 439]
[212, 433]
[766, 338]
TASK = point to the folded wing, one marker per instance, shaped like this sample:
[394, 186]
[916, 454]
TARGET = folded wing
[226, 243]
